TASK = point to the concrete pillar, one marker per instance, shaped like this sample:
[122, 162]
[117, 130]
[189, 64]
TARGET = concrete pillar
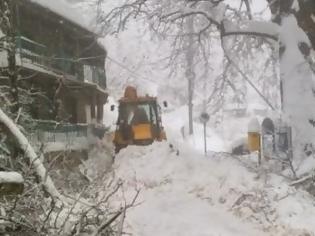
[100, 112]
[93, 108]
[81, 111]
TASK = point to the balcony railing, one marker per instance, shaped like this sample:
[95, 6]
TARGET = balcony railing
[64, 136]
[37, 55]
[48, 132]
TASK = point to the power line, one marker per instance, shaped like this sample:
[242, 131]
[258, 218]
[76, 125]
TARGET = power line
[133, 73]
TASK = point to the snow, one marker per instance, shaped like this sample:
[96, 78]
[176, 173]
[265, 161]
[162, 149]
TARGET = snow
[78, 143]
[179, 196]
[66, 10]
[3, 53]
[263, 27]
[3, 59]
[289, 25]
[254, 125]
[10, 177]
[295, 5]
[262, 9]
[190, 194]
[110, 117]
[176, 125]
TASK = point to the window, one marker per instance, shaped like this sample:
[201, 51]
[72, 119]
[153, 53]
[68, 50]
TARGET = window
[134, 114]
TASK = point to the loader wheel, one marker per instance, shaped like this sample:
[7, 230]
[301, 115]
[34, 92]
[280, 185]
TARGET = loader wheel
[173, 149]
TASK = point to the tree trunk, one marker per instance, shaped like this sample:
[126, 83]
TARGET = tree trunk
[7, 26]
[190, 74]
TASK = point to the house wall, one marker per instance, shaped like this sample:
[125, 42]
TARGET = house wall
[52, 39]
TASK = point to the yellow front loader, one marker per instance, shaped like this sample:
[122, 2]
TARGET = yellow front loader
[139, 120]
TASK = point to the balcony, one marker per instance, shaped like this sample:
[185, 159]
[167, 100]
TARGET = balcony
[35, 56]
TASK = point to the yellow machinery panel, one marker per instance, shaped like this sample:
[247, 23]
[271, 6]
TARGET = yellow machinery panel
[142, 132]
[253, 141]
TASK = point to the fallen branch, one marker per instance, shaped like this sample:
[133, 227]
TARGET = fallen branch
[302, 180]
[122, 211]
[109, 222]
[241, 199]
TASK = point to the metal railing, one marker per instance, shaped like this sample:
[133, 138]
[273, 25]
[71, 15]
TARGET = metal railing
[54, 132]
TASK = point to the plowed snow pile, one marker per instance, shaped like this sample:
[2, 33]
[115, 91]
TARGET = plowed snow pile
[195, 195]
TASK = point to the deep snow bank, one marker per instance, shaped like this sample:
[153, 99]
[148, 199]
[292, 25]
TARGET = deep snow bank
[193, 195]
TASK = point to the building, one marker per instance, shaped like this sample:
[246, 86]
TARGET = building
[60, 57]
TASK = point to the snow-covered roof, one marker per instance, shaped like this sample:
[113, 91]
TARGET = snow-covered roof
[65, 10]
[253, 125]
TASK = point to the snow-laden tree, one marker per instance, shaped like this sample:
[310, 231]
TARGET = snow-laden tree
[297, 77]
[168, 19]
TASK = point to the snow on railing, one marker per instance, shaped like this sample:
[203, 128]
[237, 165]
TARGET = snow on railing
[52, 132]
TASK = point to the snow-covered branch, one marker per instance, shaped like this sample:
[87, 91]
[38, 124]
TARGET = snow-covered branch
[206, 13]
[35, 161]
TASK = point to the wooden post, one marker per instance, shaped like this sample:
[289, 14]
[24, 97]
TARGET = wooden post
[204, 118]
[205, 137]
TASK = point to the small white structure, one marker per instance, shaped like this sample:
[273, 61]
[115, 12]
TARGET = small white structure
[10, 177]
[268, 138]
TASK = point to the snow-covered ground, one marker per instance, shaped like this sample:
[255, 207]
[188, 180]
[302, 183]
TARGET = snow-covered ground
[218, 194]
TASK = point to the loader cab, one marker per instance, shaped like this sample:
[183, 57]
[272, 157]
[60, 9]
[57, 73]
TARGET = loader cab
[138, 113]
